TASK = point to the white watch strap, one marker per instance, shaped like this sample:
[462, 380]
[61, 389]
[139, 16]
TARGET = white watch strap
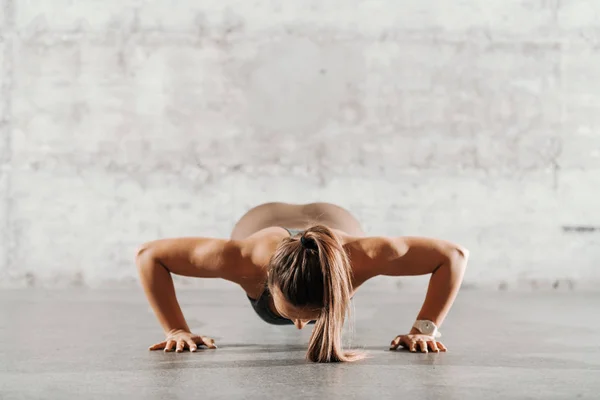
[421, 325]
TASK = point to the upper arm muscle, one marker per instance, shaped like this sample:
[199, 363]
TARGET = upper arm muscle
[399, 256]
[198, 257]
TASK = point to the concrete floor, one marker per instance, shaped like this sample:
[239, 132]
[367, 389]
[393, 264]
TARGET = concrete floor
[92, 344]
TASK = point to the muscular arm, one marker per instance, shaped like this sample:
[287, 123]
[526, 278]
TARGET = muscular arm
[401, 256]
[197, 257]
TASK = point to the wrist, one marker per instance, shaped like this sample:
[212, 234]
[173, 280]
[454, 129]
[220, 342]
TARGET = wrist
[176, 330]
[414, 331]
[425, 327]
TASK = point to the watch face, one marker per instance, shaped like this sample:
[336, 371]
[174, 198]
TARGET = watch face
[427, 327]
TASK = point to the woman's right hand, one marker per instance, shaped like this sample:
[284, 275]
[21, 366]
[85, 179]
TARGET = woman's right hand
[179, 340]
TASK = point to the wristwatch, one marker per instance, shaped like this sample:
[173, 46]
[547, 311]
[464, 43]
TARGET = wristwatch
[427, 327]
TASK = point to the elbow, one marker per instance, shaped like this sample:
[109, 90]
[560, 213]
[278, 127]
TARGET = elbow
[460, 257]
[463, 252]
[144, 256]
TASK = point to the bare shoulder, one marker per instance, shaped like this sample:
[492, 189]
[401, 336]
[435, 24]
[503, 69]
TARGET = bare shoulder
[365, 252]
[371, 248]
[256, 251]
[260, 246]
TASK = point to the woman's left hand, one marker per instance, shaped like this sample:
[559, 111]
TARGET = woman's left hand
[417, 342]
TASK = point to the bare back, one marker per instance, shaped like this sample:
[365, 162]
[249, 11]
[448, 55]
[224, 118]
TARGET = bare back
[297, 216]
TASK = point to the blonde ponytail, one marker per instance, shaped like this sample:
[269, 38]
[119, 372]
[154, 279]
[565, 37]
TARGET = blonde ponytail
[314, 270]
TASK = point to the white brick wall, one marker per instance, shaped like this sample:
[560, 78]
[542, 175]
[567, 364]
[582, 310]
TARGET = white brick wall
[125, 121]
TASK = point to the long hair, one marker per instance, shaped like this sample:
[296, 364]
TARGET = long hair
[312, 269]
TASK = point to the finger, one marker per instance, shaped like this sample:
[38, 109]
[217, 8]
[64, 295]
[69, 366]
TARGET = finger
[208, 342]
[433, 346]
[412, 346]
[395, 343]
[157, 346]
[170, 345]
[191, 345]
[441, 346]
[180, 346]
[423, 346]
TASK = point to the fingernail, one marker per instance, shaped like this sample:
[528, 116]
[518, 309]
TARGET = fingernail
[193, 349]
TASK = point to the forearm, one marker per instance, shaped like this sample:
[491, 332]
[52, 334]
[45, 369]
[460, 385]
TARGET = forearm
[443, 288]
[160, 291]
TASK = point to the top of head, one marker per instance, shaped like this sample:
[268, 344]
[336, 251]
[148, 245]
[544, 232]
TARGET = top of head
[307, 269]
